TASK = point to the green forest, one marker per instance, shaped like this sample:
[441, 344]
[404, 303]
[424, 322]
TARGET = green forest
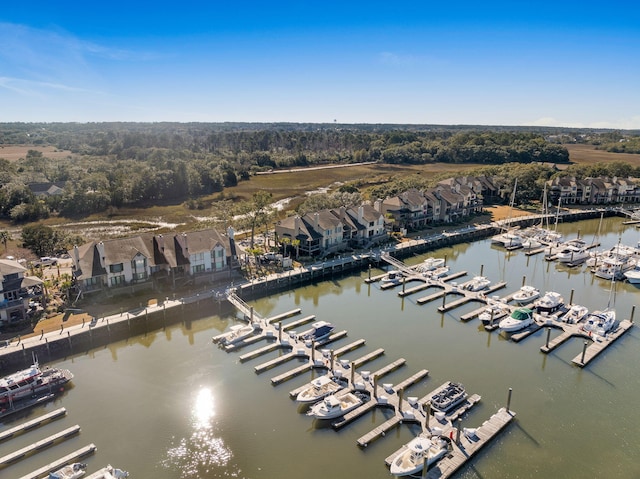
[114, 165]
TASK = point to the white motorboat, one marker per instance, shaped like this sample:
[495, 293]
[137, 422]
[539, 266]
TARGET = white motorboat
[430, 264]
[549, 303]
[572, 253]
[392, 277]
[600, 322]
[411, 458]
[575, 314]
[493, 311]
[320, 330]
[438, 272]
[237, 333]
[633, 275]
[334, 405]
[526, 294]
[478, 283]
[531, 243]
[612, 267]
[70, 471]
[449, 397]
[318, 389]
[519, 319]
[508, 239]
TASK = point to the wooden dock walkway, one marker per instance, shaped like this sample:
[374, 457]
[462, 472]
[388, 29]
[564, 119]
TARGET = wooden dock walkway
[599, 345]
[264, 350]
[36, 446]
[291, 374]
[280, 360]
[63, 461]
[27, 426]
[465, 448]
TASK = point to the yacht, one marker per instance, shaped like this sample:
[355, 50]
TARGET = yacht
[32, 382]
[572, 252]
[416, 452]
[318, 389]
[438, 272]
[508, 239]
[334, 406]
[430, 264]
[526, 294]
[600, 322]
[549, 303]
[612, 267]
[519, 319]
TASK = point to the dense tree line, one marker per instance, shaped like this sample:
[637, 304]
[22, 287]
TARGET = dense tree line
[132, 164]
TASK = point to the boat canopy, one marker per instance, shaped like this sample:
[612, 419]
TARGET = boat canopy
[521, 314]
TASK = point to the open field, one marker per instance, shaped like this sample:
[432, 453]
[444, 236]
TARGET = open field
[587, 154]
[15, 152]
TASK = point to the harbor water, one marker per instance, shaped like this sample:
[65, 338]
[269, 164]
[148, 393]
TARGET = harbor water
[171, 405]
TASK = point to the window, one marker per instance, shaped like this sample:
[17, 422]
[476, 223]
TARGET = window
[198, 268]
[116, 268]
[117, 280]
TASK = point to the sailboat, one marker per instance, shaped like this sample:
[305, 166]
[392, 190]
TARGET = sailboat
[509, 239]
[601, 322]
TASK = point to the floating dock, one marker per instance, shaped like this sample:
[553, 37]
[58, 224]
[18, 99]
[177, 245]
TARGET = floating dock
[37, 446]
[27, 426]
[63, 461]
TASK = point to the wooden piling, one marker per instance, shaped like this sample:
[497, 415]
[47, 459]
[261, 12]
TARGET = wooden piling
[584, 350]
[571, 298]
[509, 400]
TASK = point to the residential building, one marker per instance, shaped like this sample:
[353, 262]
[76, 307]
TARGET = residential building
[20, 296]
[154, 260]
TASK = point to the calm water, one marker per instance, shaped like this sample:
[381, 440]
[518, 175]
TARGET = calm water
[172, 405]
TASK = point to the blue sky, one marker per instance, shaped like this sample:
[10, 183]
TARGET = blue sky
[493, 63]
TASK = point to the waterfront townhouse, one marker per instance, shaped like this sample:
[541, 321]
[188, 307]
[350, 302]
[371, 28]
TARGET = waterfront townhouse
[20, 296]
[314, 234]
[365, 225]
[410, 210]
[596, 191]
[153, 261]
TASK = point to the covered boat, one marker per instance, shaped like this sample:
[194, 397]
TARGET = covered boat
[392, 277]
[412, 457]
[519, 319]
[492, 312]
[430, 264]
[633, 275]
[449, 397]
[239, 332]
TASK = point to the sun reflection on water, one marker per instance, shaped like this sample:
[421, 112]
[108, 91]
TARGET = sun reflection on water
[202, 454]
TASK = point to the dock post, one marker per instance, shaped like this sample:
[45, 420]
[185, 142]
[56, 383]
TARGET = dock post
[400, 394]
[444, 298]
[425, 465]
[279, 333]
[571, 298]
[633, 310]
[491, 320]
[331, 356]
[353, 372]
[481, 269]
[548, 335]
[509, 400]
[369, 271]
[458, 427]
[251, 313]
[524, 280]
[404, 282]
[313, 352]
[445, 260]
[428, 414]
[584, 351]
[375, 386]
